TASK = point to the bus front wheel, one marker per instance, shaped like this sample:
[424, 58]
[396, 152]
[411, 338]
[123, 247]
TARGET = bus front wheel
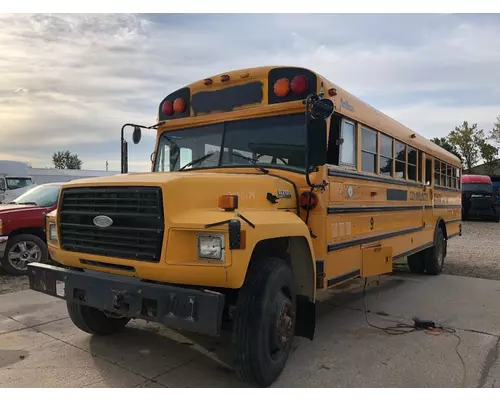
[264, 323]
[434, 256]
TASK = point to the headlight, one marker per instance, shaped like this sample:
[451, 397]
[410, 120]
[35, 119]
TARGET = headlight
[52, 231]
[211, 247]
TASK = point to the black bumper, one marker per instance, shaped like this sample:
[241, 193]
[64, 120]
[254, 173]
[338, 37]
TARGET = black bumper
[191, 309]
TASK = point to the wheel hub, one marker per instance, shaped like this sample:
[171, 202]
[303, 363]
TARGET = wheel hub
[284, 324]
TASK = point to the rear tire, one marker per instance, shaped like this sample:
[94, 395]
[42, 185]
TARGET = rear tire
[94, 321]
[264, 323]
[416, 263]
[435, 255]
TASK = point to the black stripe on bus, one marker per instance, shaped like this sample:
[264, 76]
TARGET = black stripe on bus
[448, 206]
[447, 189]
[358, 242]
[361, 209]
[454, 235]
[450, 221]
[397, 195]
[353, 175]
[412, 251]
[344, 277]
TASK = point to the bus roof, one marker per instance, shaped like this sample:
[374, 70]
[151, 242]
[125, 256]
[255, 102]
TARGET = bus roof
[345, 104]
[476, 179]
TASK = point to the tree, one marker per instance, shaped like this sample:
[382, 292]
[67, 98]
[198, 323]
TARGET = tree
[495, 132]
[489, 154]
[63, 159]
[445, 144]
[467, 140]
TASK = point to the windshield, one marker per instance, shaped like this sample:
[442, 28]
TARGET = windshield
[17, 183]
[267, 142]
[477, 187]
[42, 196]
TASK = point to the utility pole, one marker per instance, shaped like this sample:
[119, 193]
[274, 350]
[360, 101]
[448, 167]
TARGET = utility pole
[106, 166]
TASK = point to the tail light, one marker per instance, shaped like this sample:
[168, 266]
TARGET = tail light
[168, 108]
[308, 200]
[282, 87]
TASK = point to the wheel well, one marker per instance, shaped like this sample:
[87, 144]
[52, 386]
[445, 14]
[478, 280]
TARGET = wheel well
[442, 225]
[295, 251]
[31, 231]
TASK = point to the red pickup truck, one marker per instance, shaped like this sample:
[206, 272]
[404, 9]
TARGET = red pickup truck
[22, 237]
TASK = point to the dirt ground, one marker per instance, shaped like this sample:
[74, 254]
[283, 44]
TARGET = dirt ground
[475, 254]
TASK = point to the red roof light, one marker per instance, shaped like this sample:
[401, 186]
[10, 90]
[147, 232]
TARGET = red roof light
[179, 106]
[299, 84]
[167, 108]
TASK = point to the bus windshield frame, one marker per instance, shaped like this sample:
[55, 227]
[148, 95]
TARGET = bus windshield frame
[277, 141]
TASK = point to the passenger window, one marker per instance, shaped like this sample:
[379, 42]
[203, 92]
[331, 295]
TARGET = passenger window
[412, 163]
[448, 175]
[437, 173]
[186, 156]
[368, 150]
[428, 171]
[400, 160]
[386, 159]
[443, 174]
[348, 144]
[459, 182]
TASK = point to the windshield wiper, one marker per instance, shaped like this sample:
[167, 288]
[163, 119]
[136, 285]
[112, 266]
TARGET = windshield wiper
[253, 160]
[28, 203]
[196, 161]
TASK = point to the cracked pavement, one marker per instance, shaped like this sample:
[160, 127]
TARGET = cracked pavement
[40, 347]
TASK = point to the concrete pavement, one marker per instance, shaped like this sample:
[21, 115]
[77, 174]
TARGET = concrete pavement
[40, 347]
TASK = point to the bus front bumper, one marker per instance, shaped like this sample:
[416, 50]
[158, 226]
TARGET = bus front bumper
[195, 310]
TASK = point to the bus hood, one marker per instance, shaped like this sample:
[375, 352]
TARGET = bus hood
[187, 190]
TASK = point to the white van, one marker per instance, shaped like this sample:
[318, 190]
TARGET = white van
[14, 180]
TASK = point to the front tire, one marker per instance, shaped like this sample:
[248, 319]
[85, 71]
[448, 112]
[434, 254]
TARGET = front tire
[22, 250]
[264, 322]
[94, 321]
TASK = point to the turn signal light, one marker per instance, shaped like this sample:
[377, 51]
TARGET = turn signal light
[179, 106]
[308, 200]
[282, 87]
[228, 202]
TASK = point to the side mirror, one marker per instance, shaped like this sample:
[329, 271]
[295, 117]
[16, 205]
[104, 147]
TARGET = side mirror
[136, 135]
[322, 109]
[151, 157]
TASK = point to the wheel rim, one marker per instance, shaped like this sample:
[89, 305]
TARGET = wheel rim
[23, 253]
[281, 326]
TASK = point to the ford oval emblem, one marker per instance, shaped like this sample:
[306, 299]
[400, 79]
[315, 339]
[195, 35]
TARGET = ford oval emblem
[103, 221]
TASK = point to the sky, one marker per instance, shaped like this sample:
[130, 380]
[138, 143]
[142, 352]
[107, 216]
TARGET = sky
[70, 81]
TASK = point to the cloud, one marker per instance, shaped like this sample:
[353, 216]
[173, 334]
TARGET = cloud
[71, 80]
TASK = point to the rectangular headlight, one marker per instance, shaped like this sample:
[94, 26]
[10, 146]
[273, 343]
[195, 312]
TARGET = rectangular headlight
[52, 232]
[211, 247]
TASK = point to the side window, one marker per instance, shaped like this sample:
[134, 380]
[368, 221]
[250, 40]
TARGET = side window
[437, 173]
[428, 171]
[412, 163]
[453, 178]
[368, 150]
[448, 175]
[459, 181]
[400, 160]
[386, 159]
[443, 174]
[3, 186]
[348, 144]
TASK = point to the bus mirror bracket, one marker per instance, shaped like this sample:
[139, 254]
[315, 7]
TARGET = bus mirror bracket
[318, 110]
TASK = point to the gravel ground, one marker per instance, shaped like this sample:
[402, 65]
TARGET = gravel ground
[475, 254]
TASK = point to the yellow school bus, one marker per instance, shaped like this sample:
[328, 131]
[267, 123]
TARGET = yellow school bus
[267, 185]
